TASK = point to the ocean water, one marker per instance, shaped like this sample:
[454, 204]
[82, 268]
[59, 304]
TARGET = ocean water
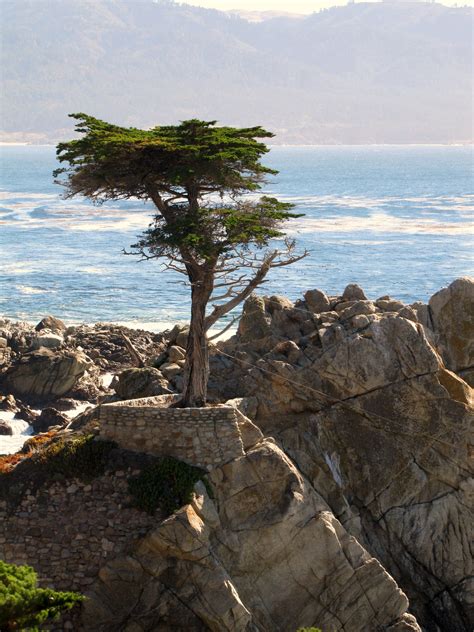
[396, 220]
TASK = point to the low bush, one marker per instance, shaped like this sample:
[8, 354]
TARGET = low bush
[167, 484]
[83, 457]
[24, 606]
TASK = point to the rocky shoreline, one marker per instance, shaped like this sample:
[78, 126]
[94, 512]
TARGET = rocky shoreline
[365, 412]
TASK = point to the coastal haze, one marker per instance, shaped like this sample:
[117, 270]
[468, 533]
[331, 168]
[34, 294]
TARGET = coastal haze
[390, 72]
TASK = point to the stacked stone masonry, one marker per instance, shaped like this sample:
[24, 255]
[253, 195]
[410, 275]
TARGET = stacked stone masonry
[67, 530]
[204, 437]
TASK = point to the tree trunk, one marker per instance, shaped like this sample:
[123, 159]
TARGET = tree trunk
[196, 372]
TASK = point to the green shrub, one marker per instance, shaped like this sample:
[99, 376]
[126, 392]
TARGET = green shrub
[308, 630]
[167, 484]
[83, 457]
[24, 606]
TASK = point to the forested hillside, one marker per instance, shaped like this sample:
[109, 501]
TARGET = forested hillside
[362, 73]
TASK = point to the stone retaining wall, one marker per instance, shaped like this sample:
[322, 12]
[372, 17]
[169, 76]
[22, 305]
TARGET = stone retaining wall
[67, 530]
[205, 437]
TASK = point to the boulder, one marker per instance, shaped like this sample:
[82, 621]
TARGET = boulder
[317, 301]
[5, 429]
[8, 404]
[277, 303]
[389, 305]
[51, 324]
[47, 340]
[452, 314]
[176, 353]
[182, 338]
[354, 292]
[171, 370]
[137, 383]
[25, 413]
[48, 418]
[46, 374]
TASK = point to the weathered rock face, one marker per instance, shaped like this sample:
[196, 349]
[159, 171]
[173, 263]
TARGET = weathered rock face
[267, 554]
[366, 408]
[254, 324]
[452, 314]
[136, 383]
[45, 374]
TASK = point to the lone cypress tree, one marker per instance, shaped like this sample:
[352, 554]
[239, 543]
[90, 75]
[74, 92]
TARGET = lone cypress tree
[196, 174]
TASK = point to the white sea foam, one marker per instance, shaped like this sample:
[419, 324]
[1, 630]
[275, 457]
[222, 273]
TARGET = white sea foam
[21, 432]
[18, 268]
[27, 289]
[379, 222]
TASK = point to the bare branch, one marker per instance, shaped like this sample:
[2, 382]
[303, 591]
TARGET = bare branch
[271, 260]
[226, 328]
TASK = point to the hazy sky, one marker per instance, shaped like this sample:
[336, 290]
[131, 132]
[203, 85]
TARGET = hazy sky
[294, 6]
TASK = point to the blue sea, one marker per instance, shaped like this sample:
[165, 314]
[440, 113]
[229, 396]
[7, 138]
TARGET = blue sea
[395, 219]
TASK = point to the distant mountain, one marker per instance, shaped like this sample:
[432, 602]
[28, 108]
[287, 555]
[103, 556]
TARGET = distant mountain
[363, 73]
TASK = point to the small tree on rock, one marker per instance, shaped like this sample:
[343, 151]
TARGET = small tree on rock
[25, 606]
[195, 173]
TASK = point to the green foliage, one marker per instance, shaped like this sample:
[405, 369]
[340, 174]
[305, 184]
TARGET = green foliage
[216, 230]
[167, 484]
[109, 161]
[25, 606]
[178, 167]
[308, 630]
[83, 457]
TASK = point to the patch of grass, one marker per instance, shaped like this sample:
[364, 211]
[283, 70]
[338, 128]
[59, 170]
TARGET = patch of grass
[167, 484]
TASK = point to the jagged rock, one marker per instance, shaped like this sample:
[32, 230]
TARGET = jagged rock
[317, 301]
[389, 305]
[48, 418]
[170, 370]
[176, 353]
[254, 323]
[182, 338]
[357, 309]
[5, 356]
[354, 292]
[376, 401]
[8, 404]
[25, 413]
[452, 313]
[52, 324]
[409, 313]
[276, 303]
[46, 374]
[136, 383]
[239, 563]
